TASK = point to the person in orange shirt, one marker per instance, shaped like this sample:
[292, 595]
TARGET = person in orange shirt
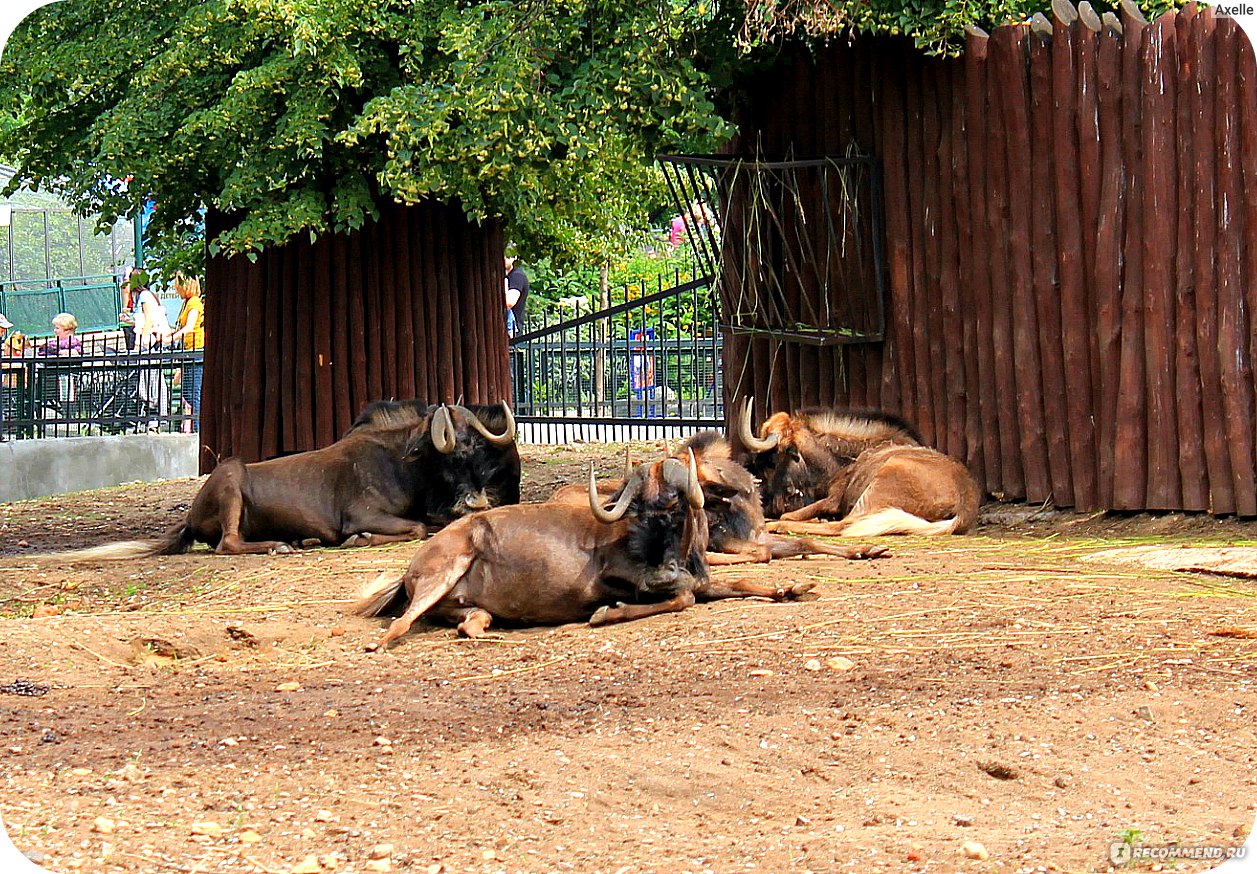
[191, 332]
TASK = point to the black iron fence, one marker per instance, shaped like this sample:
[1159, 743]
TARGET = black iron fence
[646, 365]
[104, 389]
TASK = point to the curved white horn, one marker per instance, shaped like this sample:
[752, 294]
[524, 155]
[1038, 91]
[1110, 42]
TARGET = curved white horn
[684, 478]
[616, 513]
[749, 440]
[506, 437]
[442, 431]
[694, 490]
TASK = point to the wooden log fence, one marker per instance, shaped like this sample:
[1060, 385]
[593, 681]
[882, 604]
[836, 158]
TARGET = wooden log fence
[1071, 253]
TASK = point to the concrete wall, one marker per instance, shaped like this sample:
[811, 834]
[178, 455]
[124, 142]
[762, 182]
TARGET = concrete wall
[35, 468]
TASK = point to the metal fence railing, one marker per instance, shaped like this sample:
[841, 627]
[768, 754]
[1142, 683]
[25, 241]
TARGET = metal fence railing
[644, 367]
[105, 390]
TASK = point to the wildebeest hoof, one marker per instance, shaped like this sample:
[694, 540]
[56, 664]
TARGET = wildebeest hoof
[372, 647]
[786, 593]
[871, 552]
[603, 614]
[309, 543]
[280, 549]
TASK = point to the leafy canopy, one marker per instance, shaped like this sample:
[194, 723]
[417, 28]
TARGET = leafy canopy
[936, 26]
[301, 115]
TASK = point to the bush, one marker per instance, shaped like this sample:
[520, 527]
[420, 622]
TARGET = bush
[640, 270]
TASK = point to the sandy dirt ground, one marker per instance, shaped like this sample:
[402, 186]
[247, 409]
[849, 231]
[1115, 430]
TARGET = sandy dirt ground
[982, 703]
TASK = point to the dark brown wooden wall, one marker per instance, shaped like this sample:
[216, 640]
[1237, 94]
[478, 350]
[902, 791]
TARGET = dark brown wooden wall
[1071, 238]
[306, 336]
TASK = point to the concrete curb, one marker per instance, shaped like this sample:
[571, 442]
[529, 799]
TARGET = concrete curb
[37, 468]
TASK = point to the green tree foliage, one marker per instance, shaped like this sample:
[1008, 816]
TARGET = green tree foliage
[301, 115]
[937, 26]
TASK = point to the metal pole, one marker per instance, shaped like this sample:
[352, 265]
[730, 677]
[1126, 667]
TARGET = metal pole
[137, 224]
[47, 249]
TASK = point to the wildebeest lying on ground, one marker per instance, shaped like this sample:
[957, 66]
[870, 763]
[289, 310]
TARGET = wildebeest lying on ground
[867, 469]
[546, 564]
[735, 515]
[370, 487]
[478, 466]
[731, 502]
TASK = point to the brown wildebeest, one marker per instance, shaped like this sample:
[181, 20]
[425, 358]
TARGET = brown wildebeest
[735, 514]
[731, 502]
[867, 469]
[546, 564]
[369, 487]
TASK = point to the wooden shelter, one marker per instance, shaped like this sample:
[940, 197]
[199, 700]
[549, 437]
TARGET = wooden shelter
[1071, 253]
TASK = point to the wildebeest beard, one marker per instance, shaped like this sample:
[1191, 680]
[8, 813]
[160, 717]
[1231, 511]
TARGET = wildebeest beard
[474, 477]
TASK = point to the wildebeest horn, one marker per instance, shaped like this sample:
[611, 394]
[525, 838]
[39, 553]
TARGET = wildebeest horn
[616, 513]
[694, 491]
[442, 430]
[749, 440]
[507, 436]
[684, 478]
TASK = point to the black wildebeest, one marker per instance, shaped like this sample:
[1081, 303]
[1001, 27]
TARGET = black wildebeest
[865, 469]
[547, 564]
[370, 487]
[478, 465]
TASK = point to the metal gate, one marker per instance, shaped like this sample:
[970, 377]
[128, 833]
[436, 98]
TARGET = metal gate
[645, 367]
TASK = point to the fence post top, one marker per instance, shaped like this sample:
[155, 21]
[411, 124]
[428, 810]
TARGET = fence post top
[1064, 11]
[1131, 11]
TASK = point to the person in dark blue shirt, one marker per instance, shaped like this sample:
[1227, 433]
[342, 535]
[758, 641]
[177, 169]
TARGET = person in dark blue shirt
[516, 295]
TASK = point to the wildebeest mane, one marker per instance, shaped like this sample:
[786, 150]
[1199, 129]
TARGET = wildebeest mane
[391, 412]
[846, 433]
[707, 444]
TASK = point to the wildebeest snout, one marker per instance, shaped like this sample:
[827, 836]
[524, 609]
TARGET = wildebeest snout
[477, 501]
[666, 577]
[473, 502]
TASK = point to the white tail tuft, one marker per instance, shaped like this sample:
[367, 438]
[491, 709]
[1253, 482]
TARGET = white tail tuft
[120, 551]
[378, 594]
[893, 520]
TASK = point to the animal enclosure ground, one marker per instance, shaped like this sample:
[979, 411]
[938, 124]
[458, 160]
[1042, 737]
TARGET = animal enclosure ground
[219, 714]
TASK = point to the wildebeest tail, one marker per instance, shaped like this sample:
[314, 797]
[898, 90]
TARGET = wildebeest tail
[177, 540]
[808, 546]
[381, 595]
[893, 520]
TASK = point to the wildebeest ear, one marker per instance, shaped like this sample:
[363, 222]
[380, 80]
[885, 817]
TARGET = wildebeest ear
[417, 441]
